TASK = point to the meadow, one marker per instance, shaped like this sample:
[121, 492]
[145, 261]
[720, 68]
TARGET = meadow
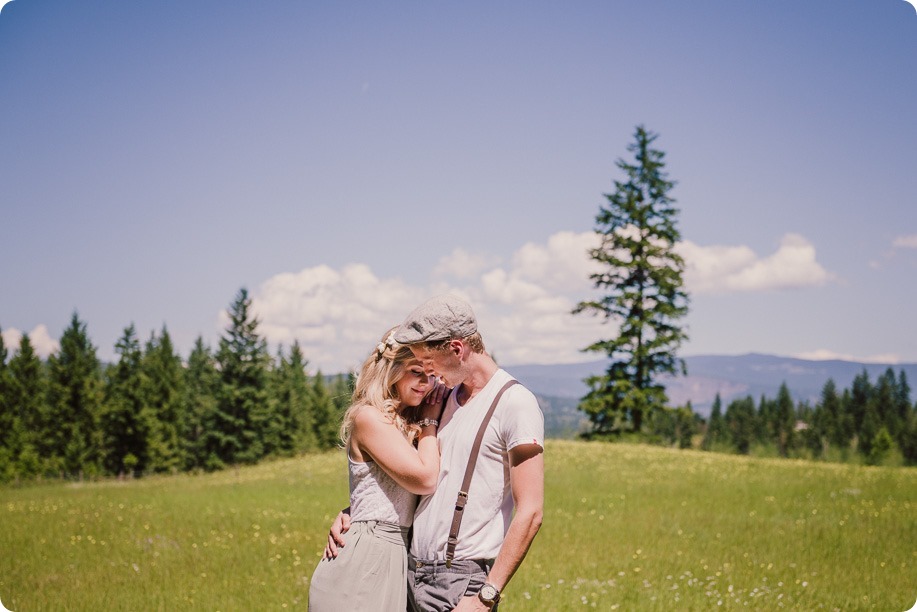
[627, 527]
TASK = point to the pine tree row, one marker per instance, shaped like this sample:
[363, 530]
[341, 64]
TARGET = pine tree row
[73, 417]
[870, 419]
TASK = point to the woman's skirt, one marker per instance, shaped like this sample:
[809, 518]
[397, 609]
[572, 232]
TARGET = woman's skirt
[369, 573]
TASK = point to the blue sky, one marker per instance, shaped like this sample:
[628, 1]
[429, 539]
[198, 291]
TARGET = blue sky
[344, 161]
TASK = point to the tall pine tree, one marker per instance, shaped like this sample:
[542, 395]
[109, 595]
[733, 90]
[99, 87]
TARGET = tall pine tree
[823, 422]
[642, 275]
[342, 387]
[201, 381]
[327, 424]
[907, 435]
[716, 426]
[902, 397]
[834, 420]
[27, 396]
[295, 410]
[75, 396]
[908, 440]
[766, 420]
[163, 392]
[784, 421]
[127, 421]
[7, 419]
[740, 421]
[884, 396]
[860, 393]
[242, 397]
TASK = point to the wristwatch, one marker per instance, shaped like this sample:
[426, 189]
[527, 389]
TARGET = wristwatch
[489, 594]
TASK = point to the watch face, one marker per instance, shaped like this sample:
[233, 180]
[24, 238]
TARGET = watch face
[488, 592]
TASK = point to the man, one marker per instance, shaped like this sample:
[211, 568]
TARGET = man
[509, 471]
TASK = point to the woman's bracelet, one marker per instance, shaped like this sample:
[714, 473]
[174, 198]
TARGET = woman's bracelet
[426, 422]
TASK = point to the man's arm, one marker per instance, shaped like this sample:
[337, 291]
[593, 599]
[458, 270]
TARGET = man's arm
[526, 474]
[339, 527]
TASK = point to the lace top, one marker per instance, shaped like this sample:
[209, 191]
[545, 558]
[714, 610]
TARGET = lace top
[375, 496]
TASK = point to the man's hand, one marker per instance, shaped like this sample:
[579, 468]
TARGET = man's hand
[471, 603]
[339, 527]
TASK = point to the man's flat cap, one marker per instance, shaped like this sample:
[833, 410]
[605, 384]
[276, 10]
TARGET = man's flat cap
[440, 318]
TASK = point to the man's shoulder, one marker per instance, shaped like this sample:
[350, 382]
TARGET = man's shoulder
[517, 392]
[521, 418]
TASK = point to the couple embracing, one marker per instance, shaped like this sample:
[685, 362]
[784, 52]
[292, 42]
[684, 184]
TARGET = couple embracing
[435, 473]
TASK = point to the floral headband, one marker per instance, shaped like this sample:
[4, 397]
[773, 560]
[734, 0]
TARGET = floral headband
[388, 343]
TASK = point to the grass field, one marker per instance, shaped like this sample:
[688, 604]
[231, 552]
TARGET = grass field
[626, 527]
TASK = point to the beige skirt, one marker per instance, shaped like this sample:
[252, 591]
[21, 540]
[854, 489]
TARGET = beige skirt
[369, 573]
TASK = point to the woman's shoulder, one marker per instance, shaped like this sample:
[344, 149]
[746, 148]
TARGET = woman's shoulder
[368, 416]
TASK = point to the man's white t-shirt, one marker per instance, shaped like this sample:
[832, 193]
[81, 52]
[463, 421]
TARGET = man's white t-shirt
[517, 420]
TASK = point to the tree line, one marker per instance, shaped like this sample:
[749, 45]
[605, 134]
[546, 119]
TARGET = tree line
[72, 416]
[869, 419]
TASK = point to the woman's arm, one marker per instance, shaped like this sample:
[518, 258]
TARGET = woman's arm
[417, 470]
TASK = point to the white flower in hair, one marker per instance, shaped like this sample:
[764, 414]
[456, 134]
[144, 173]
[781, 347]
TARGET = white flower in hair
[383, 346]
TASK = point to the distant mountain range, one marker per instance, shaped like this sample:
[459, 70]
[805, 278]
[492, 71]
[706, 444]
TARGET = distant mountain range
[561, 386]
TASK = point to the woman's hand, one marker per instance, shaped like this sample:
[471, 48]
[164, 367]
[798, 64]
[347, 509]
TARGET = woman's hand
[433, 402]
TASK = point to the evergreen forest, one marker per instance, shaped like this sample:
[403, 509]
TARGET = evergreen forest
[870, 421]
[73, 417]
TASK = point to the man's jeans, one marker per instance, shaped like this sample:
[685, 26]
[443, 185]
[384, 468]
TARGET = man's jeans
[433, 587]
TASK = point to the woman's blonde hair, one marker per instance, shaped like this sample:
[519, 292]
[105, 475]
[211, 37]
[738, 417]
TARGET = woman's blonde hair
[375, 386]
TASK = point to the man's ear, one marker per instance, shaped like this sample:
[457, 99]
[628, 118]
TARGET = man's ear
[457, 347]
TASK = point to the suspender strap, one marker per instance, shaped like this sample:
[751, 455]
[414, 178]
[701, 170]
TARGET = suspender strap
[462, 498]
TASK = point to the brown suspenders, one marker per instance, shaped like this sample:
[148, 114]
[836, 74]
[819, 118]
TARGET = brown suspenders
[462, 498]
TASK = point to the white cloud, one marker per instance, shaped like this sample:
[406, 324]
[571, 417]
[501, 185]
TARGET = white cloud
[829, 355]
[722, 269]
[336, 315]
[890, 358]
[523, 307]
[561, 264]
[463, 265]
[11, 338]
[905, 242]
[41, 341]
[824, 355]
[524, 321]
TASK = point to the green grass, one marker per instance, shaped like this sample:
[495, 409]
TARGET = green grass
[626, 527]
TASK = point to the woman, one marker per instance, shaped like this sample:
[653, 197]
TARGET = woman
[390, 436]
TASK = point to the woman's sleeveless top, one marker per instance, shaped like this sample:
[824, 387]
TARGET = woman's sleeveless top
[375, 496]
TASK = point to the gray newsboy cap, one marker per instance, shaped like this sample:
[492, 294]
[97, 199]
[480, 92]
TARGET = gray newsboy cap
[439, 318]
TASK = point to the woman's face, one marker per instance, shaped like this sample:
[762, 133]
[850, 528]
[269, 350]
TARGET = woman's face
[413, 386]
